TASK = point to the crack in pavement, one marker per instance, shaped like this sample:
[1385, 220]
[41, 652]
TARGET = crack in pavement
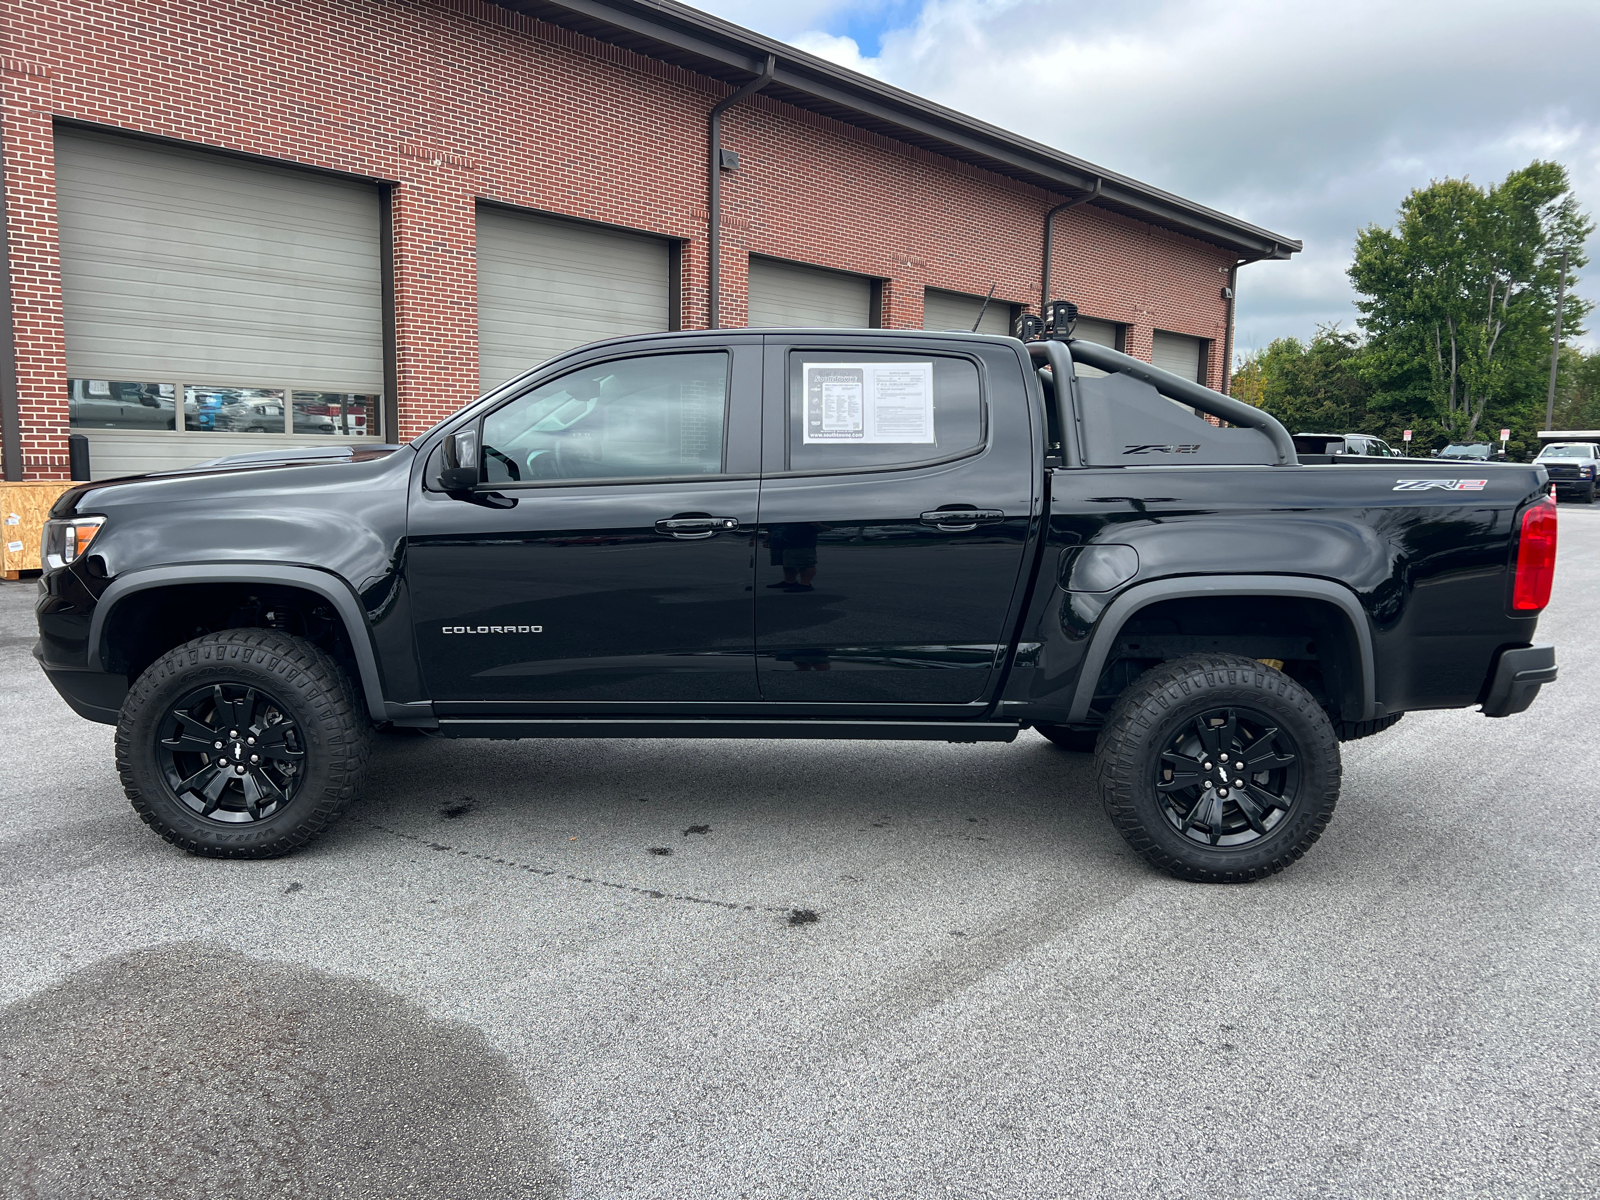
[556, 873]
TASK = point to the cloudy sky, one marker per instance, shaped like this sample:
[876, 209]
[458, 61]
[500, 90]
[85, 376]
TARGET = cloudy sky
[1312, 120]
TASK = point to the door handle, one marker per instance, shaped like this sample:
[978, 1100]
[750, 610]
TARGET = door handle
[963, 518]
[694, 528]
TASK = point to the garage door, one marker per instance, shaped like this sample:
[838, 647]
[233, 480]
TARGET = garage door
[1176, 353]
[1101, 333]
[786, 294]
[244, 296]
[957, 310]
[547, 285]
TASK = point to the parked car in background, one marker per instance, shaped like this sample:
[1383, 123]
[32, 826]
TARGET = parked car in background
[1360, 445]
[1572, 467]
[1479, 451]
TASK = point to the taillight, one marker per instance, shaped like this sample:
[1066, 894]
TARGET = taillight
[1536, 557]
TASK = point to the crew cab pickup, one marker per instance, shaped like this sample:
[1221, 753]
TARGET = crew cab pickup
[802, 534]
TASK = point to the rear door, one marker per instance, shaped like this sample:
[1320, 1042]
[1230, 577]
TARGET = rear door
[898, 484]
[612, 567]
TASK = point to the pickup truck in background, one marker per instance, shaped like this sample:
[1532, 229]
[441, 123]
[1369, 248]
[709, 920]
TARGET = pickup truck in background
[876, 534]
[1572, 467]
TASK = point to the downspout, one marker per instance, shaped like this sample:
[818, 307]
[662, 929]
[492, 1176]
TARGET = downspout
[1049, 238]
[10, 416]
[1227, 336]
[714, 188]
[1233, 300]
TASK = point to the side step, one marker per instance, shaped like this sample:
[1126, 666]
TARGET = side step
[722, 727]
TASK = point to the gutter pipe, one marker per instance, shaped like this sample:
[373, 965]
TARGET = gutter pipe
[10, 414]
[714, 187]
[1049, 238]
[1227, 337]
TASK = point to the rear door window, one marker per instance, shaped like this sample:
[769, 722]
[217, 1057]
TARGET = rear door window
[861, 410]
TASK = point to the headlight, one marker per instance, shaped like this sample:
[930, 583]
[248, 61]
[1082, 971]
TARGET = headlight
[1586, 472]
[66, 541]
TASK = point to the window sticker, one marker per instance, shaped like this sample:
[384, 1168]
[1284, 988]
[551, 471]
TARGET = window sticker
[869, 404]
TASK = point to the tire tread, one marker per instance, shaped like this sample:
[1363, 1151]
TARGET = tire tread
[1140, 709]
[300, 668]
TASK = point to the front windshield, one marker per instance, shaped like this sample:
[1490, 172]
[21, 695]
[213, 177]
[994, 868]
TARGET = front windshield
[1567, 452]
[1465, 452]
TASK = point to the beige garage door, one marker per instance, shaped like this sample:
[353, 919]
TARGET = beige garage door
[1177, 353]
[213, 305]
[786, 294]
[1101, 333]
[547, 285]
[957, 310]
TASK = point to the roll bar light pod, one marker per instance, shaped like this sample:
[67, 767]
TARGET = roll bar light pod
[1176, 387]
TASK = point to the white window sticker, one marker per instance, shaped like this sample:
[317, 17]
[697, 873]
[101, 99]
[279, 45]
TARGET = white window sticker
[870, 404]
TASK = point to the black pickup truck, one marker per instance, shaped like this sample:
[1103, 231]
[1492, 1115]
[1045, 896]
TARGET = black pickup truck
[802, 534]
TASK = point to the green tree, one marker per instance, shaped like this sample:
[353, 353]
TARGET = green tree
[1457, 301]
[1312, 388]
[1578, 390]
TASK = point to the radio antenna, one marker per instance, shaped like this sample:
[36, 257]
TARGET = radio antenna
[984, 309]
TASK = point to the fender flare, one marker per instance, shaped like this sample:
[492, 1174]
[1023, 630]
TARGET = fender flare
[1140, 596]
[324, 583]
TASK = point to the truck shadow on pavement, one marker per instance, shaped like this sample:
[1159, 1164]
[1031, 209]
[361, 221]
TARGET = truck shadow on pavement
[609, 813]
[192, 1070]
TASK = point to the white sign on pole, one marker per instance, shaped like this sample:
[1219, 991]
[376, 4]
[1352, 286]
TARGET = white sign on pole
[1504, 434]
[1406, 435]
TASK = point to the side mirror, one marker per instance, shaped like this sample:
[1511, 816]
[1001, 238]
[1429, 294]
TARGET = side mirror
[460, 472]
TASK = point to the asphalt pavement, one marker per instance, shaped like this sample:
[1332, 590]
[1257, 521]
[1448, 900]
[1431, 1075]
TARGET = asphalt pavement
[783, 969]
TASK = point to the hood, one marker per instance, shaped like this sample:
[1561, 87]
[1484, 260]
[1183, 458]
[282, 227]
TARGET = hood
[258, 460]
[288, 456]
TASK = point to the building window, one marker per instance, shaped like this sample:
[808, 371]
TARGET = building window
[123, 405]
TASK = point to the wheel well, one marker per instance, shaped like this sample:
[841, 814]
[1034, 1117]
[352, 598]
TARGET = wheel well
[1312, 638]
[148, 623]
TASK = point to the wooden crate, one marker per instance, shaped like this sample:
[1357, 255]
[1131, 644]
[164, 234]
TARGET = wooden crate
[23, 509]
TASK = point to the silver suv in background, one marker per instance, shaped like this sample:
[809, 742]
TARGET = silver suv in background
[1572, 467]
[1361, 445]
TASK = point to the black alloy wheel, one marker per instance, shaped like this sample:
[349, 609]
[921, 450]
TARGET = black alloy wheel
[242, 744]
[1228, 778]
[231, 753]
[1218, 768]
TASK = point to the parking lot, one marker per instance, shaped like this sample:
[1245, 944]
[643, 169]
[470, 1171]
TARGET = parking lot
[748, 969]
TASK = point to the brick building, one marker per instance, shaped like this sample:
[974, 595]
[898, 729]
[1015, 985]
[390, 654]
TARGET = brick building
[242, 223]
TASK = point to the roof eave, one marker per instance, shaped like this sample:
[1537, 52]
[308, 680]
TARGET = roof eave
[722, 50]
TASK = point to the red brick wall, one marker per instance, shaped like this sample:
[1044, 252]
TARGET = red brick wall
[452, 100]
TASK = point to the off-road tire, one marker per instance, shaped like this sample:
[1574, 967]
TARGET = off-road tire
[1156, 707]
[1354, 731]
[1079, 741]
[1588, 493]
[311, 689]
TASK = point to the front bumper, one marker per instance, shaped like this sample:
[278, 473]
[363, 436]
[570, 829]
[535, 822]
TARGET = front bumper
[93, 695]
[1516, 677]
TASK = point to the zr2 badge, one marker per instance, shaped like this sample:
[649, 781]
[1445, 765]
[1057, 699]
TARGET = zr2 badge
[1441, 485]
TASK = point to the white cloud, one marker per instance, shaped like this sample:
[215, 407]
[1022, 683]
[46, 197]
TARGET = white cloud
[1311, 120]
[841, 50]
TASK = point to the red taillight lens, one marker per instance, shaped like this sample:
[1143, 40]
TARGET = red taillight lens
[1536, 557]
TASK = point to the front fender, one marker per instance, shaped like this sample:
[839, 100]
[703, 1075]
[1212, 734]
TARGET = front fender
[323, 583]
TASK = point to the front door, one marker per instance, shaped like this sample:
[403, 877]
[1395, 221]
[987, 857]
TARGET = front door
[612, 566]
[898, 486]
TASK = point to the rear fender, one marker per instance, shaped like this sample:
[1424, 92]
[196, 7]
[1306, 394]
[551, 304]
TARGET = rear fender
[1125, 606]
